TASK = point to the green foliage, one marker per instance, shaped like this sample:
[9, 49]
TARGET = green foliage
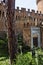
[40, 56]
[20, 39]
[33, 62]
[40, 60]
[3, 50]
[21, 45]
[27, 59]
[24, 59]
[4, 61]
[2, 41]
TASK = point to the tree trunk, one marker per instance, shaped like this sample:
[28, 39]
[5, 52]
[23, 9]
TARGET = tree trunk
[11, 30]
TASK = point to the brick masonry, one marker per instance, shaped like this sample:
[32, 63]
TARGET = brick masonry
[25, 20]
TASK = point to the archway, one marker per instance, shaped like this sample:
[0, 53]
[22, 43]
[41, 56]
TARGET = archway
[35, 37]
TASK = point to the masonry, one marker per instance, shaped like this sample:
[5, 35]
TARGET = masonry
[28, 23]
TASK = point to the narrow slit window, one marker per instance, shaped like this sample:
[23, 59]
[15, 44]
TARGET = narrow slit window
[0, 13]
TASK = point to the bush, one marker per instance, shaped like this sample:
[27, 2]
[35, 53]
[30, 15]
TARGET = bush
[24, 59]
[27, 59]
[40, 56]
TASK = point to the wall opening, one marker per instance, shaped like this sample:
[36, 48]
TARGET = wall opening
[35, 41]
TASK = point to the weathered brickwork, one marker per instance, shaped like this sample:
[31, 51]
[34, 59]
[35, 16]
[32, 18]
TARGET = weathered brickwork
[25, 21]
[2, 17]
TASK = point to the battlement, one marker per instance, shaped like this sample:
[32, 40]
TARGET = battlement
[24, 10]
[23, 13]
[26, 13]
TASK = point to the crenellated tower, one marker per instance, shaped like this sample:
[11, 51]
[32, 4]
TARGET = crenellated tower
[40, 5]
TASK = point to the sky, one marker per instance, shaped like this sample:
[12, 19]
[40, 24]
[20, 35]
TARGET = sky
[28, 4]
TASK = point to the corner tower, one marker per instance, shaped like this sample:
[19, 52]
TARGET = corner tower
[40, 5]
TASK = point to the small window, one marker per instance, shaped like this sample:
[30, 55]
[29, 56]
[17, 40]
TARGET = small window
[3, 14]
[27, 24]
[34, 19]
[0, 13]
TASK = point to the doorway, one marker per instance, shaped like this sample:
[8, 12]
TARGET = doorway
[35, 41]
[35, 37]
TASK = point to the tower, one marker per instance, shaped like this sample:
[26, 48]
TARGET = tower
[40, 5]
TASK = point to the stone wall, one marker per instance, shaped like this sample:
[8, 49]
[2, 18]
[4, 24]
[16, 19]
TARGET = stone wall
[2, 17]
[24, 20]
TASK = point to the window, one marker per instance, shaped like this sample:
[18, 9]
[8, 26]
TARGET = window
[27, 24]
[34, 19]
[0, 13]
[3, 14]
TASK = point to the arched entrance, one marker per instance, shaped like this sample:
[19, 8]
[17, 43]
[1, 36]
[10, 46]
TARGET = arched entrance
[35, 37]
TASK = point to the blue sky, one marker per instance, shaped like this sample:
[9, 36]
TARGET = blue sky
[28, 4]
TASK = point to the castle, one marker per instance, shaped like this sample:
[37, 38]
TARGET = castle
[28, 23]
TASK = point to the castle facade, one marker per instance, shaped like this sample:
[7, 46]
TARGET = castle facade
[28, 23]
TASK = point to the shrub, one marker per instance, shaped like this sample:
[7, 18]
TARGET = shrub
[24, 59]
[40, 56]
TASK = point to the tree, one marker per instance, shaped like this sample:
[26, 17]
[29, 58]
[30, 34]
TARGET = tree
[12, 45]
